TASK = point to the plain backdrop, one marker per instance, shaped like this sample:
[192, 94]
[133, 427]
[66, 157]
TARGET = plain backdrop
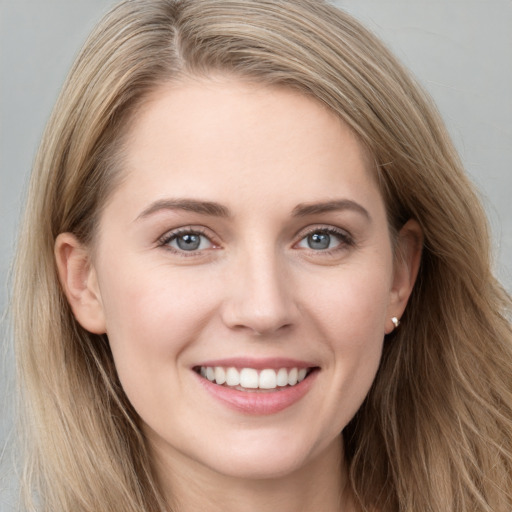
[460, 50]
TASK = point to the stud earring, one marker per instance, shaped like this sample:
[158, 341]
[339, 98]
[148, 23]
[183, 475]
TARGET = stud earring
[395, 321]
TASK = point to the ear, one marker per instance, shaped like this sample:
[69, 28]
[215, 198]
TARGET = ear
[406, 266]
[79, 281]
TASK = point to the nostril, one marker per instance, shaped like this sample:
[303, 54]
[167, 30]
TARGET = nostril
[265, 331]
[261, 330]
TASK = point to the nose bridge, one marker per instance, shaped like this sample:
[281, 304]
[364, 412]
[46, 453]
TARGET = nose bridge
[260, 298]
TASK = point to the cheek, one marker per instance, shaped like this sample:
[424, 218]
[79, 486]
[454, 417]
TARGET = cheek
[351, 303]
[350, 314]
[152, 316]
[154, 301]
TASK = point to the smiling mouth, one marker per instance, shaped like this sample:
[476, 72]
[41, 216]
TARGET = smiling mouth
[253, 380]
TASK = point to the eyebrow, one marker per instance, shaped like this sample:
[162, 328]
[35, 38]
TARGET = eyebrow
[189, 205]
[217, 210]
[305, 209]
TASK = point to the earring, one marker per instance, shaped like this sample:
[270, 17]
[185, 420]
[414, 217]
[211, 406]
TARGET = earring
[395, 321]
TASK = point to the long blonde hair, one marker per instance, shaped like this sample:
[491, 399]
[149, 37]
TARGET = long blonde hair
[435, 432]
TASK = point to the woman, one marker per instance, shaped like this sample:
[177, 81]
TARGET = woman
[252, 275]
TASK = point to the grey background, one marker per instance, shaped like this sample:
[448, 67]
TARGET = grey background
[460, 50]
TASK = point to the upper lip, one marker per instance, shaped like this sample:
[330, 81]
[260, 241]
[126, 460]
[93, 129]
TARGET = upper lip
[257, 363]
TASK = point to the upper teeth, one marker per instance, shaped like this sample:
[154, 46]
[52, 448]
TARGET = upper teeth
[253, 379]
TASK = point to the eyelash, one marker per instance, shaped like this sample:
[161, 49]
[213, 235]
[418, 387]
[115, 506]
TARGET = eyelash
[346, 240]
[168, 237]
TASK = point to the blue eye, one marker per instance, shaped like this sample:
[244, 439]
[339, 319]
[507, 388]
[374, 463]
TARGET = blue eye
[319, 241]
[188, 241]
[324, 239]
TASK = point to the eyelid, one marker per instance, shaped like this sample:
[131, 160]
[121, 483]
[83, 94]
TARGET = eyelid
[164, 240]
[346, 239]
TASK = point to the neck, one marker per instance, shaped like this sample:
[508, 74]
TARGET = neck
[319, 485]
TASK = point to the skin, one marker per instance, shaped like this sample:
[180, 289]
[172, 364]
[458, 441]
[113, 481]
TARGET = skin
[254, 288]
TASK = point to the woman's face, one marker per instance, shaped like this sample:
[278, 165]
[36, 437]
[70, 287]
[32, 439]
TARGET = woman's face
[248, 241]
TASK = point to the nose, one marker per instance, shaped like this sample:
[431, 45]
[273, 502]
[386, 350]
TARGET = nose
[259, 296]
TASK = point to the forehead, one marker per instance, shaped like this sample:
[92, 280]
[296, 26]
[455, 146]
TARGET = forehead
[235, 139]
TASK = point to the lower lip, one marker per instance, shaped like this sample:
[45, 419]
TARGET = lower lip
[259, 402]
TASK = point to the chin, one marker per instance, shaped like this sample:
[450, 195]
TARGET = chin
[271, 459]
[259, 468]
